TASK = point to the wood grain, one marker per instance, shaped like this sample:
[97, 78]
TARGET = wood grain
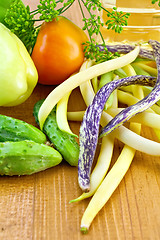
[37, 207]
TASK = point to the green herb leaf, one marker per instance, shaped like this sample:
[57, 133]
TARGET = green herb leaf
[116, 20]
[47, 11]
[19, 20]
[154, 1]
[94, 52]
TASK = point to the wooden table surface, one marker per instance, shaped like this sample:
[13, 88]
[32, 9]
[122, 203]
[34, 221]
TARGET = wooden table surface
[37, 206]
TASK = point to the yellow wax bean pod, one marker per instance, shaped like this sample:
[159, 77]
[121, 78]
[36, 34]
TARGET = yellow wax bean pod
[61, 115]
[149, 119]
[101, 168]
[108, 186]
[127, 136]
[152, 71]
[111, 181]
[81, 77]
[75, 116]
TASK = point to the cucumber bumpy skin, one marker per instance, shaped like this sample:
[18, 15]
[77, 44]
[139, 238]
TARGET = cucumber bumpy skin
[65, 143]
[26, 157]
[12, 129]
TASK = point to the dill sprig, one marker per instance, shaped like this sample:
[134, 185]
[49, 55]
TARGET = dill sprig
[154, 1]
[94, 52]
[93, 24]
[116, 20]
[20, 20]
[47, 11]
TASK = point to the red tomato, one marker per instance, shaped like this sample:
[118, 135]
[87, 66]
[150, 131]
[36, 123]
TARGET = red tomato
[58, 51]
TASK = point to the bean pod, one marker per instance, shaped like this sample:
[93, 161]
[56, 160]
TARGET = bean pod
[89, 129]
[126, 48]
[143, 104]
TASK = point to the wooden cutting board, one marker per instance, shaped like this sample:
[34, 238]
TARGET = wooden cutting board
[37, 206]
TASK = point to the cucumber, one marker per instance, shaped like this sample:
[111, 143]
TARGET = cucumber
[65, 143]
[12, 129]
[26, 157]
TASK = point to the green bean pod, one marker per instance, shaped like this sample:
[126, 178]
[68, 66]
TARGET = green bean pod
[26, 157]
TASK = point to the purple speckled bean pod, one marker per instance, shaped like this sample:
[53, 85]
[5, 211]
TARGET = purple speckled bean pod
[126, 48]
[143, 104]
[89, 129]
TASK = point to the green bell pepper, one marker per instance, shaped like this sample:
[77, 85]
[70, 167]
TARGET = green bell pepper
[18, 74]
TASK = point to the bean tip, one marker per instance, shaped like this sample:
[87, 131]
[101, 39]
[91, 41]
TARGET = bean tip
[84, 229]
